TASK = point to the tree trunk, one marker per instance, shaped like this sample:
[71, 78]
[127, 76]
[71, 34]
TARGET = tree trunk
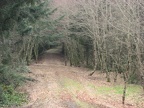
[124, 90]
[95, 58]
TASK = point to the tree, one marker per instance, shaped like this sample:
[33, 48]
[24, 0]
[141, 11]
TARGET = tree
[115, 30]
[25, 26]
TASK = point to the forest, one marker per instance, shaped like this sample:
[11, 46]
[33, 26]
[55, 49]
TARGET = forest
[104, 36]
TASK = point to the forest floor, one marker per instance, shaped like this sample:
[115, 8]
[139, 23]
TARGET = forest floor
[60, 86]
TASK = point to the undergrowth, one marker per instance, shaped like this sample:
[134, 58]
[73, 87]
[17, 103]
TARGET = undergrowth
[11, 78]
[10, 97]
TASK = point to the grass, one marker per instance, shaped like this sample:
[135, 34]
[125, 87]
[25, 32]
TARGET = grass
[10, 97]
[83, 104]
[100, 89]
[114, 91]
[71, 84]
[117, 90]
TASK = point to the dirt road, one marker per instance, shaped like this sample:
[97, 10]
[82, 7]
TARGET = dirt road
[59, 86]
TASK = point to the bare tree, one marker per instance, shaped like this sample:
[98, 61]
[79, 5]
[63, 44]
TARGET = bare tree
[115, 28]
